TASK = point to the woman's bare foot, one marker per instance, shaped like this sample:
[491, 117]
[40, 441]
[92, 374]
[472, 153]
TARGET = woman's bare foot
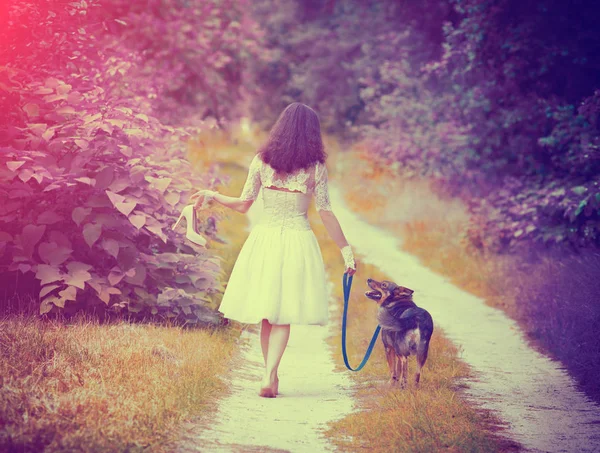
[269, 387]
[267, 392]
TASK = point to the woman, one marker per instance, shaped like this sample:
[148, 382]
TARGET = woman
[279, 276]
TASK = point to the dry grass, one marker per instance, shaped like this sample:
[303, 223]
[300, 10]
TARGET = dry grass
[434, 417]
[92, 387]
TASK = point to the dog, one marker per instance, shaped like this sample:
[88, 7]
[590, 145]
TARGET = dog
[405, 328]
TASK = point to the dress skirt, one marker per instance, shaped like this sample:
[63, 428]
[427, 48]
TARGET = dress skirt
[279, 275]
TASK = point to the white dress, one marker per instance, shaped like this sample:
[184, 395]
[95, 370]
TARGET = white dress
[279, 274]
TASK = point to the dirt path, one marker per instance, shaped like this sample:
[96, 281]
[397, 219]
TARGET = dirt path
[532, 394]
[311, 394]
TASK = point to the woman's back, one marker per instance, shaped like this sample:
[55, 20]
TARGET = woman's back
[286, 197]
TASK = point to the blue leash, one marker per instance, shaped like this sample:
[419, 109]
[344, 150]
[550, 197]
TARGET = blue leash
[347, 282]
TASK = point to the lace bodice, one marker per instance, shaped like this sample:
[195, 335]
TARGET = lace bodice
[283, 209]
[307, 181]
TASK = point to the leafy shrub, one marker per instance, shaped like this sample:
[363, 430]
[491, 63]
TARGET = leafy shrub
[91, 177]
[564, 209]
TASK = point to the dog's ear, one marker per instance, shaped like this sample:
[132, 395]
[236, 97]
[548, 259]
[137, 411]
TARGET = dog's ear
[401, 291]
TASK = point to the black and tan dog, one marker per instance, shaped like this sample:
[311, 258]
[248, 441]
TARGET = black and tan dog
[405, 328]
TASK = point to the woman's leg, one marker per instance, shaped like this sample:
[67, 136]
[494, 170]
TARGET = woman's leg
[265, 332]
[280, 333]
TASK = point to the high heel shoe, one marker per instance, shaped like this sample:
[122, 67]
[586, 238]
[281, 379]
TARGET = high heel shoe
[190, 218]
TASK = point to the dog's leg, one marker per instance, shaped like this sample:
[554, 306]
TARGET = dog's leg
[422, 350]
[401, 370]
[399, 360]
[395, 365]
[390, 356]
[404, 371]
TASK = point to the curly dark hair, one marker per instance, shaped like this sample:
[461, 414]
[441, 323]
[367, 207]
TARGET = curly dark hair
[295, 140]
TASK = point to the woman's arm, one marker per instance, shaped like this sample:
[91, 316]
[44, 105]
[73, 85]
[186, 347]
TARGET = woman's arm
[241, 203]
[332, 225]
[234, 203]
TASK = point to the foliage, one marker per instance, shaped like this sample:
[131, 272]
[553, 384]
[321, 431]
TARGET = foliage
[92, 174]
[326, 51]
[558, 212]
[534, 152]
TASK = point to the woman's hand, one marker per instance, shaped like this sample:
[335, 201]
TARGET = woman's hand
[350, 271]
[349, 261]
[202, 197]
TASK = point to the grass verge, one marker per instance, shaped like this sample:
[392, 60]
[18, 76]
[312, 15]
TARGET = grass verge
[434, 417]
[97, 387]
